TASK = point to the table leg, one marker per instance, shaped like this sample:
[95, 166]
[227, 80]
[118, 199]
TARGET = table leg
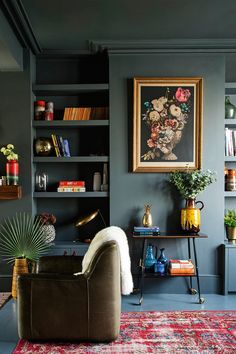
[189, 256]
[201, 299]
[141, 264]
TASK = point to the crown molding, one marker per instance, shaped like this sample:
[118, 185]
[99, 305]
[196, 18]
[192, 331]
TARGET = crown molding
[164, 46]
[19, 21]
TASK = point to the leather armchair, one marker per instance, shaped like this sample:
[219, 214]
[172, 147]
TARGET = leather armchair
[54, 304]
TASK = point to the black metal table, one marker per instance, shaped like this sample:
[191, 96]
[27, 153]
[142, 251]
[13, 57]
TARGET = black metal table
[171, 236]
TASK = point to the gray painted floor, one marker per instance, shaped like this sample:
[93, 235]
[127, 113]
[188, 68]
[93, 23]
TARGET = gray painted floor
[151, 302]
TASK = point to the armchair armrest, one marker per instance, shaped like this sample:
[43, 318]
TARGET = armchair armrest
[52, 298]
[60, 264]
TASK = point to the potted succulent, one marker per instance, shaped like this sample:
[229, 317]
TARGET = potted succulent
[189, 185]
[230, 224]
[21, 241]
[12, 165]
[48, 221]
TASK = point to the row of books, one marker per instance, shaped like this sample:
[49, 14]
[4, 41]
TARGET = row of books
[85, 113]
[71, 186]
[181, 266]
[146, 231]
[61, 146]
[230, 142]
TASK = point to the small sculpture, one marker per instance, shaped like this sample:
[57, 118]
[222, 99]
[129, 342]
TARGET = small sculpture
[147, 217]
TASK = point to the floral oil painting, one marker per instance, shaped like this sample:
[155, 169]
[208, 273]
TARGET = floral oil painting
[167, 124]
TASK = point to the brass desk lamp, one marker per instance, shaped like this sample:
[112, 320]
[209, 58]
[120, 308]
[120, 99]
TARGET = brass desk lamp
[86, 219]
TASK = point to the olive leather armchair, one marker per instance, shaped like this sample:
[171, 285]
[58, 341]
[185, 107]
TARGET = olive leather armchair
[55, 304]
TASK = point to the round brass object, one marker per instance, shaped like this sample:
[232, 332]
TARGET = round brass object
[43, 146]
[231, 233]
[87, 218]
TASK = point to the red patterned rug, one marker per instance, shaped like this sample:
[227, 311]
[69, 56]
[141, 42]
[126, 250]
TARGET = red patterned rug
[182, 332]
[4, 297]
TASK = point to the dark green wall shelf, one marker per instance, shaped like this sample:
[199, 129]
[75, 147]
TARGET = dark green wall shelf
[70, 124]
[70, 194]
[69, 89]
[71, 159]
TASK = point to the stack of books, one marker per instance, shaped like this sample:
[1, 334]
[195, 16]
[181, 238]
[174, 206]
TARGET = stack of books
[61, 146]
[85, 113]
[181, 266]
[71, 186]
[146, 231]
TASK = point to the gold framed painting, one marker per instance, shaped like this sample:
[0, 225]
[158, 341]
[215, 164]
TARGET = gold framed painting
[167, 124]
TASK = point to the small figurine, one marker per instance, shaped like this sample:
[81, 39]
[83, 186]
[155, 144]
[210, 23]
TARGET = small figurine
[147, 217]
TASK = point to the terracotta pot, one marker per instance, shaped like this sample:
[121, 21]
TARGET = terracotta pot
[191, 216]
[20, 267]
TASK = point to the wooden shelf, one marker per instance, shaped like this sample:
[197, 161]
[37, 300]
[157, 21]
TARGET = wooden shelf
[230, 158]
[155, 275]
[70, 194]
[230, 194]
[70, 123]
[230, 121]
[10, 192]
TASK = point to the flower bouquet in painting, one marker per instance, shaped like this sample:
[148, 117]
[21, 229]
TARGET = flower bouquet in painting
[166, 117]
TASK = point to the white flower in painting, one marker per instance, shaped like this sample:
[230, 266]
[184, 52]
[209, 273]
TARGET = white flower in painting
[154, 116]
[157, 105]
[175, 110]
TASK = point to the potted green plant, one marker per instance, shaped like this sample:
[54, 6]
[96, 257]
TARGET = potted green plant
[189, 185]
[230, 224]
[22, 240]
[12, 165]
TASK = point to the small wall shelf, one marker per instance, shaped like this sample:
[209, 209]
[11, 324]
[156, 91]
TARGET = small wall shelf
[10, 192]
[70, 123]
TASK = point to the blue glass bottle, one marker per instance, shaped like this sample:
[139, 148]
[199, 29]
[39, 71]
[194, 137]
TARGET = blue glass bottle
[150, 259]
[162, 258]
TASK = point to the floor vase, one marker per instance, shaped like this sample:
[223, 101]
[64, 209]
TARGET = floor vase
[20, 267]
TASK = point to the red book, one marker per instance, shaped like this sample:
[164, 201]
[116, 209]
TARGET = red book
[72, 184]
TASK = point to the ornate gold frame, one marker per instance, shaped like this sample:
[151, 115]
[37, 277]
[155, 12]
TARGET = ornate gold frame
[193, 84]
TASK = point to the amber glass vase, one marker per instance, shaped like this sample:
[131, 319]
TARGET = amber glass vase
[20, 267]
[191, 216]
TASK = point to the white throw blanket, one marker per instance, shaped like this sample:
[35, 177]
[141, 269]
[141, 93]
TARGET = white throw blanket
[113, 233]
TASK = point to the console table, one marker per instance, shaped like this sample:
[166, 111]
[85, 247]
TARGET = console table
[170, 236]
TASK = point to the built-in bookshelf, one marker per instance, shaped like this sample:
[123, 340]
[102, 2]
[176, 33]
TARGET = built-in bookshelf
[88, 141]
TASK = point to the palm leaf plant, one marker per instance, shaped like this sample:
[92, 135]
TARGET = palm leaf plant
[22, 236]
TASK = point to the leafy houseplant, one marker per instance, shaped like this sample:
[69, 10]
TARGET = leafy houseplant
[230, 218]
[230, 223]
[8, 151]
[21, 240]
[190, 184]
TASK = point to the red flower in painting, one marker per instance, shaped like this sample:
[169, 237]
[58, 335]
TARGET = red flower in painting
[182, 95]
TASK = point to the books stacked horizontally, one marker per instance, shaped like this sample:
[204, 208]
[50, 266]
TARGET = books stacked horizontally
[85, 113]
[61, 146]
[146, 231]
[71, 186]
[181, 266]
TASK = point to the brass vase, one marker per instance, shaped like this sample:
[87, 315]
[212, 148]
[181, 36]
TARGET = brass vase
[20, 267]
[191, 216]
[231, 233]
[147, 217]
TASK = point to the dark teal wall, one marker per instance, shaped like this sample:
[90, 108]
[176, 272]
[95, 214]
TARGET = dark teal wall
[15, 128]
[130, 191]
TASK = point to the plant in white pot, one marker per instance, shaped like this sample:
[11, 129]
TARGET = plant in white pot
[230, 224]
[22, 241]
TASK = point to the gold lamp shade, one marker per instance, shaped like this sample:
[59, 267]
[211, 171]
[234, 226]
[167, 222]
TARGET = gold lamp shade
[83, 220]
[89, 231]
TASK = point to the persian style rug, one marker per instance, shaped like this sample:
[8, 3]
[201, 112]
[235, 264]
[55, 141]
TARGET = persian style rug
[182, 332]
[4, 297]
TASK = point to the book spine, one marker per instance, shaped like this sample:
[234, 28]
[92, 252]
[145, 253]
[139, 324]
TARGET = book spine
[72, 183]
[54, 140]
[66, 147]
[71, 189]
